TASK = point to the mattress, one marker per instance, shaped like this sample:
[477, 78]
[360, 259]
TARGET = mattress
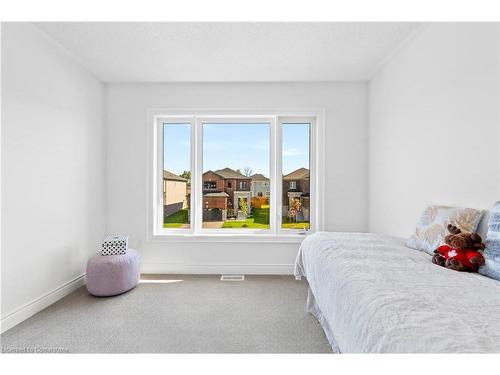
[372, 294]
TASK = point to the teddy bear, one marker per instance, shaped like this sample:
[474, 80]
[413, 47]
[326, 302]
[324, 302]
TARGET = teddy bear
[460, 252]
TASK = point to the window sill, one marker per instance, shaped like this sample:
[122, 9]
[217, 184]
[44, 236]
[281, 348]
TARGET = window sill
[227, 238]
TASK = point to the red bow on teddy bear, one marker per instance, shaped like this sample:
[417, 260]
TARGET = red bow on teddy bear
[460, 252]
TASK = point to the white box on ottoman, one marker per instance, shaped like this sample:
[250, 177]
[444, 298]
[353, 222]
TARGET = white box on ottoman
[114, 245]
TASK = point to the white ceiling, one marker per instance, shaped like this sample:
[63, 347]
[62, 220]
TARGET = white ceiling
[229, 52]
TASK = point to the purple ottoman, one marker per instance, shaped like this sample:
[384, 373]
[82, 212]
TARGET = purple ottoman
[109, 275]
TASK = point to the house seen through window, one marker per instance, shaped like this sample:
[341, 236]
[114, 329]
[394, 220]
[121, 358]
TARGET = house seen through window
[233, 154]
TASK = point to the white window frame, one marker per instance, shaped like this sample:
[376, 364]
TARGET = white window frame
[316, 188]
[154, 220]
[158, 212]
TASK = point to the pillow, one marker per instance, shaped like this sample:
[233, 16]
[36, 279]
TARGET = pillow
[431, 228]
[491, 266]
[482, 227]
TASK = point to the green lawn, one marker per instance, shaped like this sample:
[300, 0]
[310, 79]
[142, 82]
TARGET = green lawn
[248, 223]
[299, 225]
[261, 215]
[258, 220]
[176, 220]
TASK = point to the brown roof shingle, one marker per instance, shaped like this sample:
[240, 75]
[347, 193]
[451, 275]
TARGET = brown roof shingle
[230, 173]
[299, 174]
[259, 177]
[219, 194]
[172, 176]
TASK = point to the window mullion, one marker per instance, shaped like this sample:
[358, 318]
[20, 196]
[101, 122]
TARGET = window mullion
[198, 176]
[272, 175]
[277, 191]
[159, 173]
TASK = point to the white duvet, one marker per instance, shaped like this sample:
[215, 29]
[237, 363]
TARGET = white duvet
[372, 295]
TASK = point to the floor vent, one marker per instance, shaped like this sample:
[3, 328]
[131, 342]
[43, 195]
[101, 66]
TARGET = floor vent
[232, 278]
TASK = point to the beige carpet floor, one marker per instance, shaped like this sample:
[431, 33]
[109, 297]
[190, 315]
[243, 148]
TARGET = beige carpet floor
[179, 314]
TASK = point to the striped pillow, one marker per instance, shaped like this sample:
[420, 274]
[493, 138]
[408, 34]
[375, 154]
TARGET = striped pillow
[491, 267]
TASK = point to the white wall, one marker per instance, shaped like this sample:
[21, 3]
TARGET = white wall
[346, 165]
[434, 126]
[53, 185]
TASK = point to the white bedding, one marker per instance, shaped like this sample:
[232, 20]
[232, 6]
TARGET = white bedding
[372, 295]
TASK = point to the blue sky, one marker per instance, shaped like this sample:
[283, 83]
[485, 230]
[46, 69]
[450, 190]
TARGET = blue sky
[295, 139]
[236, 146]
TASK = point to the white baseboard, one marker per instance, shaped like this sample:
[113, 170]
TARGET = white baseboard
[24, 312]
[217, 269]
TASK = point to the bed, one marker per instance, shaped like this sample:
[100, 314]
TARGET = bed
[372, 294]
